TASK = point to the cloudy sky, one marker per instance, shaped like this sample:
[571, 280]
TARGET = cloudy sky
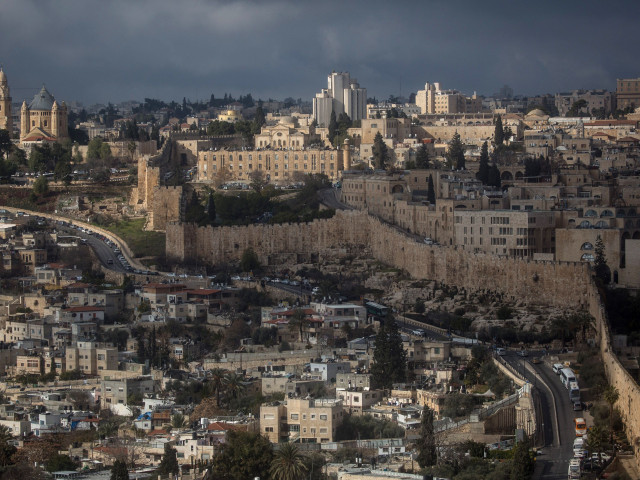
[114, 50]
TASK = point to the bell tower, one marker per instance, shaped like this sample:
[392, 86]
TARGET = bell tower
[6, 121]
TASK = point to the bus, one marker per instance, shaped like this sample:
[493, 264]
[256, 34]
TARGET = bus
[567, 376]
[375, 309]
[574, 392]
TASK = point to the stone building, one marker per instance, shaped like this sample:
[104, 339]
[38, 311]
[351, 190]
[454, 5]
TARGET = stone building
[279, 165]
[303, 420]
[628, 93]
[435, 100]
[286, 133]
[43, 120]
[6, 120]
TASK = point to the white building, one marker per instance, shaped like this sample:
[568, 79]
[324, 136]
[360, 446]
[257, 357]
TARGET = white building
[343, 95]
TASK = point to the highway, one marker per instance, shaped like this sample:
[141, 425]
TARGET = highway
[557, 416]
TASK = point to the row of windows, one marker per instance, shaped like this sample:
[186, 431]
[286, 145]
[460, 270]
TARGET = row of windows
[268, 157]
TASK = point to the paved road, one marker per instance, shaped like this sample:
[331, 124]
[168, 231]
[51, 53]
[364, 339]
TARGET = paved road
[557, 413]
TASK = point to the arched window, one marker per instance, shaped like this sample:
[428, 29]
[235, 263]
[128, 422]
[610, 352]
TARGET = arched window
[606, 213]
[585, 224]
[586, 246]
[602, 224]
[591, 213]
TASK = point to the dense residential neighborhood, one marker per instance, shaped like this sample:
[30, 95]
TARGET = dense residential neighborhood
[441, 284]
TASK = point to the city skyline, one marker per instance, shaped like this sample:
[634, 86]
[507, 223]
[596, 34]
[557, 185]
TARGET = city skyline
[96, 52]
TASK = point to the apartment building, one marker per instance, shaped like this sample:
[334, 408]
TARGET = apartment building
[505, 232]
[342, 95]
[335, 316]
[304, 420]
[356, 400]
[594, 100]
[91, 358]
[433, 99]
[116, 392]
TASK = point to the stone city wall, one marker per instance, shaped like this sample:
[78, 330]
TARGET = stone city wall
[558, 283]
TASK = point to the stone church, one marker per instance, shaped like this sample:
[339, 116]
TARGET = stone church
[43, 120]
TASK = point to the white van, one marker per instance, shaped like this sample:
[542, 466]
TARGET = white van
[557, 367]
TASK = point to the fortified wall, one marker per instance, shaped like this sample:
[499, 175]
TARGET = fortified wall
[349, 232]
[567, 284]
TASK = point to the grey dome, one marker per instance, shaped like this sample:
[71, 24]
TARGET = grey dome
[42, 101]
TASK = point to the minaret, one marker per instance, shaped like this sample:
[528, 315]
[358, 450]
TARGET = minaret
[6, 121]
[24, 120]
[346, 155]
[55, 113]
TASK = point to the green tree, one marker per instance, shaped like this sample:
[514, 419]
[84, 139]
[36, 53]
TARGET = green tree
[498, 135]
[119, 471]
[494, 177]
[6, 449]
[5, 143]
[522, 465]
[333, 126]
[41, 185]
[298, 321]
[178, 420]
[596, 440]
[58, 462]
[380, 152]
[94, 150]
[455, 152]
[169, 463]
[217, 382]
[611, 396]
[288, 463]
[389, 357]
[249, 260]
[243, 455]
[422, 157]
[426, 444]
[211, 209]
[600, 267]
[431, 191]
[234, 385]
[483, 169]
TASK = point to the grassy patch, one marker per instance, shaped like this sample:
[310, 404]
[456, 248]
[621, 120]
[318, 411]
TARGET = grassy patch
[141, 243]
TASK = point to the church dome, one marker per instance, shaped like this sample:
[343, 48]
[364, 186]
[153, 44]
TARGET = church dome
[536, 112]
[42, 101]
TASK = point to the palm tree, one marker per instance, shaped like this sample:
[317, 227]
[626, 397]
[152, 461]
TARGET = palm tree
[234, 384]
[288, 463]
[298, 320]
[611, 396]
[217, 382]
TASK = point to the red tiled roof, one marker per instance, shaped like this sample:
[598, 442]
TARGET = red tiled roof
[203, 291]
[223, 427]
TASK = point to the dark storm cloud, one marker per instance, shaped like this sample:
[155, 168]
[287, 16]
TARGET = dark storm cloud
[96, 50]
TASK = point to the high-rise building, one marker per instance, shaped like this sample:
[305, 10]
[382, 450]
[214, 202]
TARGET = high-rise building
[342, 95]
[6, 122]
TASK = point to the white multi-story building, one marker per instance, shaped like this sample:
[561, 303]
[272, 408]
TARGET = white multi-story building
[343, 95]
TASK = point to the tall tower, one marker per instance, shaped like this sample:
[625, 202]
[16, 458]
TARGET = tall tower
[6, 122]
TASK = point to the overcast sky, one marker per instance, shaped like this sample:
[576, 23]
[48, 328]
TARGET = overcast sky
[114, 50]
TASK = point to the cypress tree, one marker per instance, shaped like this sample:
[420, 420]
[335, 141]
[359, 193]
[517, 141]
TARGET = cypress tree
[455, 154]
[494, 177]
[431, 192]
[426, 444]
[380, 152]
[169, 462]
[483, 171]
[498, 135]
[422, 157]
[333, 126]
